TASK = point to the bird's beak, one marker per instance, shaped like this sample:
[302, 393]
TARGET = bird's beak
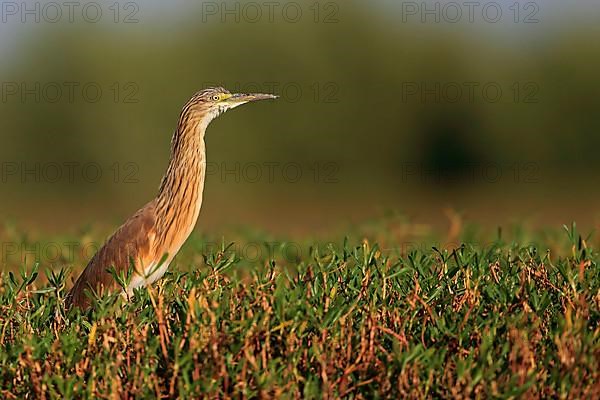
[241, 98]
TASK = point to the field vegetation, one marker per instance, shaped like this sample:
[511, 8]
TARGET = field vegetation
[356, 319]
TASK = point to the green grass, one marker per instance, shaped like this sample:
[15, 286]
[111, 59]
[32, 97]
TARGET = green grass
[353, 320]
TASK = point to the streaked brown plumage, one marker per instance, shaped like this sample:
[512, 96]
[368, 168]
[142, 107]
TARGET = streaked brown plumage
[158, 230]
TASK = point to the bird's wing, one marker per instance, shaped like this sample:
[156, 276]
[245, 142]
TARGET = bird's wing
[131, 243]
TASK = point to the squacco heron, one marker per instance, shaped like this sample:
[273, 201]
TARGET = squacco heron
[150, 239]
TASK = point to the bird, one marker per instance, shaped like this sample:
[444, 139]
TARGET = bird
[149, 240]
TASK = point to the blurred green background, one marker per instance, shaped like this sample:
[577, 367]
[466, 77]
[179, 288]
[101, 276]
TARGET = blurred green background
[384, 106]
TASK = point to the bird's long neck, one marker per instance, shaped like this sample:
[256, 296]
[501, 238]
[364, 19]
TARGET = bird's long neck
[180, 194]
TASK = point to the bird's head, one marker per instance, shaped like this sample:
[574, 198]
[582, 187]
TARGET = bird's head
[212, 102]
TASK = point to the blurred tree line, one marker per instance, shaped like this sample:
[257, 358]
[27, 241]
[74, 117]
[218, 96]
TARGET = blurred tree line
[363, 90]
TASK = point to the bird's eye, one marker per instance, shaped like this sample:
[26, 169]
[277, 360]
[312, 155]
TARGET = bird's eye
[216, 97]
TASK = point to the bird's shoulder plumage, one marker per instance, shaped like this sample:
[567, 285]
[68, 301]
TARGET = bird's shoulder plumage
[131, 243]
